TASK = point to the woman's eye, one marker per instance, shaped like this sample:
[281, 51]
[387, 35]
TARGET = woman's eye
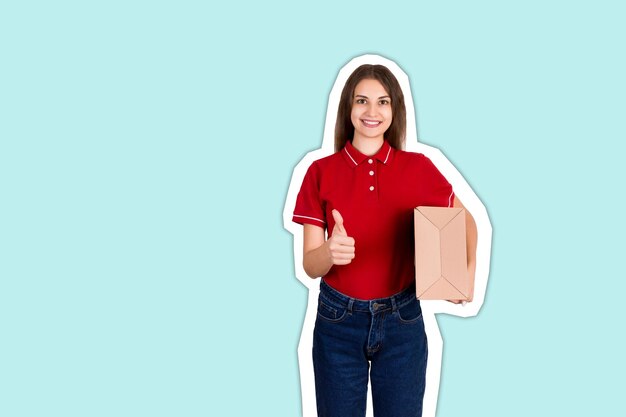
[360, 101]
[384, 102]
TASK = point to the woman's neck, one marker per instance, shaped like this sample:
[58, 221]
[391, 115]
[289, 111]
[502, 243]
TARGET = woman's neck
[367, 146]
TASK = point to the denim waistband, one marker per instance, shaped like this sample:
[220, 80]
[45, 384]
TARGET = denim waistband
[334, 297]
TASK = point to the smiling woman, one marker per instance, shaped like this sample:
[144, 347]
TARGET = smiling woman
[371, 95]
[371, 113]
[369, 323]
[356, 206]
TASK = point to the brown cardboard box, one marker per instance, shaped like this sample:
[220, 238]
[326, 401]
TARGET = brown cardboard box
[441, 254]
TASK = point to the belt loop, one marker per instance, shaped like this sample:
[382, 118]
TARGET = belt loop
[350, 302]
[394, 306]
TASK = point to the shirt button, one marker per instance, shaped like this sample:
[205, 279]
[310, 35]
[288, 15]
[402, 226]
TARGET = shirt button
[372, 188]
[370, 161]
[371, 172]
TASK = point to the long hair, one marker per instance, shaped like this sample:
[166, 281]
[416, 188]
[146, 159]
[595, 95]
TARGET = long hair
[344, 130]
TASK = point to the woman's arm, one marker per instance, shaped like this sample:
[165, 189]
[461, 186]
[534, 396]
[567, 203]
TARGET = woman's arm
[319, 254]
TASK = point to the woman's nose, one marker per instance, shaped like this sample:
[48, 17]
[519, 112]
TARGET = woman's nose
[371, 109]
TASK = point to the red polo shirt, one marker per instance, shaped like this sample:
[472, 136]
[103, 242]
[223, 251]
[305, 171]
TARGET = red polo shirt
[376, 196]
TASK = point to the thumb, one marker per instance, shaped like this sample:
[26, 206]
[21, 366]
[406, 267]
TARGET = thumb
[338, 223]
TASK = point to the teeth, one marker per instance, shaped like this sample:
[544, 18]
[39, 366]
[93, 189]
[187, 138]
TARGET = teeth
[370, 123]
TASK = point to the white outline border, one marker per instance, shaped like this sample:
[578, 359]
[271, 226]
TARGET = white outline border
[461, 189]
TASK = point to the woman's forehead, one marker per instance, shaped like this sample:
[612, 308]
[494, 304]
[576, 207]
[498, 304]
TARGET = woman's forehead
[370, 87]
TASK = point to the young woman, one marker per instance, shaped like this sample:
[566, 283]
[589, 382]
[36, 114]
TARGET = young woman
[369, 323]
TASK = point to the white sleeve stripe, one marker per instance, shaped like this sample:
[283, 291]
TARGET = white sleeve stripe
[450, 199]
[350, 156]
[388, 152]
[312, 218]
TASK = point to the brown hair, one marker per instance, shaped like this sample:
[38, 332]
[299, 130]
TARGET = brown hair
[344, 130]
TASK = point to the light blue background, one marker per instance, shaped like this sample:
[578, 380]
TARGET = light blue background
[146, 151]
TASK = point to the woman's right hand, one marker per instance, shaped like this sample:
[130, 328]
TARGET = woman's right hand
[340, 246]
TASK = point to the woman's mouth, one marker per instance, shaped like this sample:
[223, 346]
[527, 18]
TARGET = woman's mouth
[371, 123]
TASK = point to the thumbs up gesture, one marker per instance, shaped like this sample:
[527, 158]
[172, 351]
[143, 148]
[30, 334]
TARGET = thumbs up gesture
[340, 245]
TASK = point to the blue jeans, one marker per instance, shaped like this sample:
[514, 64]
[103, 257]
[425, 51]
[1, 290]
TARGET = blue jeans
[350, 335]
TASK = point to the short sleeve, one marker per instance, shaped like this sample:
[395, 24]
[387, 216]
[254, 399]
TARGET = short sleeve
[437, 190]
[309, 206]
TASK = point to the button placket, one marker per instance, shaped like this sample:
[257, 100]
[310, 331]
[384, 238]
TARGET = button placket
[371, 172]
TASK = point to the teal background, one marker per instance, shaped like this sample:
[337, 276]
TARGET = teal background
[146, 151]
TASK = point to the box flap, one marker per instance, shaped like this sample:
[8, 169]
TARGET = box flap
[439, 218]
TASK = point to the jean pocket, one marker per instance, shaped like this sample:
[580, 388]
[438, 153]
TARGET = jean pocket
[331, 312]
[410, 313]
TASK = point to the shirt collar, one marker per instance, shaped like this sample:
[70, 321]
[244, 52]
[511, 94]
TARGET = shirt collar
[355, 158]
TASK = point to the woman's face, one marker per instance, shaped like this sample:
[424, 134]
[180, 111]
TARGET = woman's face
[371, 110]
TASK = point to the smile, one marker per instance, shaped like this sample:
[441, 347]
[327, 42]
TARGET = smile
[371, 123]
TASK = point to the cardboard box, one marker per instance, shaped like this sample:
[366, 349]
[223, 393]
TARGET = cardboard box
[441, 254]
